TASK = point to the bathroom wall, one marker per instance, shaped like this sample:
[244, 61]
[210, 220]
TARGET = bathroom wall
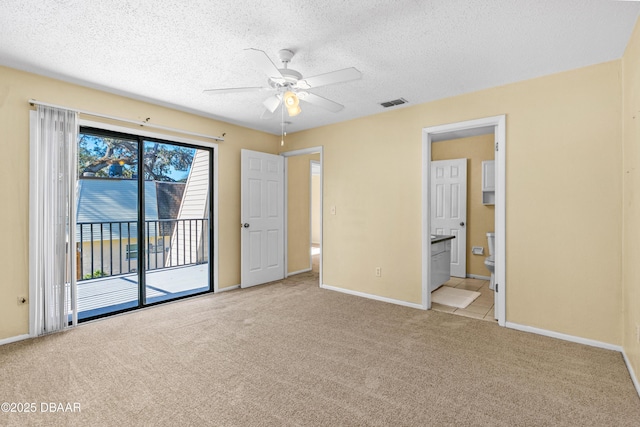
[16, 88]
[563, 198]
[298, 212]
[631, 201]
[480, 218]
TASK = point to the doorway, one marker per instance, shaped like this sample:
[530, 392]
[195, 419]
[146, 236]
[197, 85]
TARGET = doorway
[496, 126]
[316, 222]
[303, 188]
[292, 212]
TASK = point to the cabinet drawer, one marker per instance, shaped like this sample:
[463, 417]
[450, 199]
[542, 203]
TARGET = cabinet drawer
[439, 247]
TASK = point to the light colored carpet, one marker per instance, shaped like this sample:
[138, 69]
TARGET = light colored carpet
[292, 354]
[454, 297]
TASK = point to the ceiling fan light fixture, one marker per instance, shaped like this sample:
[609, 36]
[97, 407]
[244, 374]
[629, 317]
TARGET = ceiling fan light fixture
[290, 99]
[289, 87]
[294, 111]
[292, 102]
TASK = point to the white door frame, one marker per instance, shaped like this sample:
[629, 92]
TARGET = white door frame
[286, 154]
[499, 124]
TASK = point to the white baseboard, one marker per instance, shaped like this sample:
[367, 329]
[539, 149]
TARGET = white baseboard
[373, 297]
[14, 339]
[634, 378]
[580, 340]
[565, 337]
[228, 288]
[306, 270]
[477, 276]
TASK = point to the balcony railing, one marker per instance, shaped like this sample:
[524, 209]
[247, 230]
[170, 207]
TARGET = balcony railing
[112, 248]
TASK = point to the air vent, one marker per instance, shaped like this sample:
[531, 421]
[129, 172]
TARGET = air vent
[393, 103]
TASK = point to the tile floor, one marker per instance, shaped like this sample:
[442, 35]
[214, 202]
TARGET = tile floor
[481, 308]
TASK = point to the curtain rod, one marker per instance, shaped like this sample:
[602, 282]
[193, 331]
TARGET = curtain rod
[119, 119]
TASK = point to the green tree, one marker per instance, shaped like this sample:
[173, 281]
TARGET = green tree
[96, 154]
[160, 160]
[114, 157]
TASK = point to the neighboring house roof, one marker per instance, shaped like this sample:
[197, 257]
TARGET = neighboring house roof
[112, 202]
[169, 196]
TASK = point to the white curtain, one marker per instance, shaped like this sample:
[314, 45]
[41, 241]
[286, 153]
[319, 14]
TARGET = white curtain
[52, 220]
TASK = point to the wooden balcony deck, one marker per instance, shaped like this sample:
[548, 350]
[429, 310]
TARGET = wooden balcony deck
[109, 294]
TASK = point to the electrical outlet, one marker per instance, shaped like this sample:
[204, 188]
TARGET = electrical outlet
[378, 271]
[22, 300]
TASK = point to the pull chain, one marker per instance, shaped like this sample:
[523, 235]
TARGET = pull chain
[282, 124]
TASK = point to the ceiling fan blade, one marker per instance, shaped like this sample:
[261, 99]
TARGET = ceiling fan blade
[263, 62]
[320, 101]
[272, 103]
[266, 114]
[235, 90]
[333, 77]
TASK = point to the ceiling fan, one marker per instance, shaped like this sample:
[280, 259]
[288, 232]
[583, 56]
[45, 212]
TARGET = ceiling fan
[289, 85]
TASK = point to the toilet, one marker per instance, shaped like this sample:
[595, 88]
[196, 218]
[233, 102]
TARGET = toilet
[489, 261]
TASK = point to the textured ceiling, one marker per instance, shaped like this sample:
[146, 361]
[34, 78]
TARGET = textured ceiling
[168, 51]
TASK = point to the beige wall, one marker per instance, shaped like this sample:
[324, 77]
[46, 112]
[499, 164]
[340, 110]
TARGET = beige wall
[480, 218]
[564, 197]
[565, 150]
[298, 212]
[16, 88]
[631, 201]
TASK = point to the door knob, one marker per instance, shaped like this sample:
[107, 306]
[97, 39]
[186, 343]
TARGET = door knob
[462, 224]
[246, 225]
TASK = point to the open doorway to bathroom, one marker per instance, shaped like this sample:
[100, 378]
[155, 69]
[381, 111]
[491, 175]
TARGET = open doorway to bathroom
[480, 146]
[463, 206]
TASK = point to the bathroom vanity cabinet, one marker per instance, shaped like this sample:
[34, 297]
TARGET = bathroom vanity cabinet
[440, 260]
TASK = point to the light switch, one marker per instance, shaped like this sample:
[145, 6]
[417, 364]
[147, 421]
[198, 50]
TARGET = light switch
[333, 210]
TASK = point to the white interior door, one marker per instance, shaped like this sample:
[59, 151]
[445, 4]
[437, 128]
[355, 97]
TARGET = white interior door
[262, 218]
[449, 208]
